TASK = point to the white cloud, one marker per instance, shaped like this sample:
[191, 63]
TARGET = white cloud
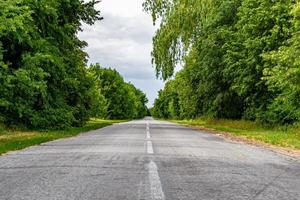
[123, 40]
[123, 8]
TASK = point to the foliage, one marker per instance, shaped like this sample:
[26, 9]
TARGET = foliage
[263, 26]
[166, 106]
[44, 81]
[122, 100]
[284, 77]
[239, 57]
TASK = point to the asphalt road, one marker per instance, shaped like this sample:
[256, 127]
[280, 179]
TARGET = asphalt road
[149, 160]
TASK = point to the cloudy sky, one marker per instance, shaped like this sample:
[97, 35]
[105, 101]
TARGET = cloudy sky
[123, 40]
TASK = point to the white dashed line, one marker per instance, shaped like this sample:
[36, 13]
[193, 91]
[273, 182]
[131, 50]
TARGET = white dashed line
[155, 184]
[149, 147]
[149, 143]
[154, 180]
[148, 135]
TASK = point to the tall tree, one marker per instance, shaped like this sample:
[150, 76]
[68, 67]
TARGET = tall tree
[262, 26]
[239, 58]
[44, 82]
[284, 77]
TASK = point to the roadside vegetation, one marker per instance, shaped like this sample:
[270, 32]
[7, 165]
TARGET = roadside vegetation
[116, 99]
[240, 62]
[18, 138]
[288, 137]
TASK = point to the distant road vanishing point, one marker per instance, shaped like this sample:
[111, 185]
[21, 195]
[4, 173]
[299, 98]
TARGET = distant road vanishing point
[148, 160]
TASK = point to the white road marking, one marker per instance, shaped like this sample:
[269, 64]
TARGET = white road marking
[148, 135]
[149, 147]
[155, 184]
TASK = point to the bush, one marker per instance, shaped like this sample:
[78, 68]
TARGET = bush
[53, 118]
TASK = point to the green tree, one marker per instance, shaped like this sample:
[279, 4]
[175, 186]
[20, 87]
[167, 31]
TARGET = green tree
[44, 82]
[196, 39]
[262, 26]
[239, 58]
[284, 78]
[123, 100]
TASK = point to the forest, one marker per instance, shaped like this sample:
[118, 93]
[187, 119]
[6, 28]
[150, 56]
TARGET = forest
[240, 59]
[45, 81]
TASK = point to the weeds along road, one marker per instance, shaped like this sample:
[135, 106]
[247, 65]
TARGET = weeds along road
[151, 160]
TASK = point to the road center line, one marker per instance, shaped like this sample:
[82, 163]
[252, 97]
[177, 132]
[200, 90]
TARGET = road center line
[149, 143]
[148, 135]
[149, 147]
[155, 183]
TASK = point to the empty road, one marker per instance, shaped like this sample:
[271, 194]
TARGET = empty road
[148, 160]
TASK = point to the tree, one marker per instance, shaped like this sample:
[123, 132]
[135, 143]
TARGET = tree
[262, 26]
[196, 39]
[44, 82]
[239, 58]
[123, 100]
[284, 78]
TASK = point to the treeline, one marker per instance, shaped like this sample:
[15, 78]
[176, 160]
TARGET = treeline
[44, 79]
[241, 59]
[116, 99]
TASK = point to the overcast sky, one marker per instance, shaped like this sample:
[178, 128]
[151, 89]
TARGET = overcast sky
[123, 40]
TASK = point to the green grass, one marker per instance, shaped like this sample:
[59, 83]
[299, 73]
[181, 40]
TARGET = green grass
[278, 136]
[16, 139]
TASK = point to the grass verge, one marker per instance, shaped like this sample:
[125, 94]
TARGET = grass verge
[16, 139]
[278, 136]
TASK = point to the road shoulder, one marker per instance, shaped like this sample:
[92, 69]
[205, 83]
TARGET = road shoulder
[230, 136]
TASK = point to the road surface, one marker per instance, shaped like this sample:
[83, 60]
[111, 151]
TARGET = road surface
[148, 160]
